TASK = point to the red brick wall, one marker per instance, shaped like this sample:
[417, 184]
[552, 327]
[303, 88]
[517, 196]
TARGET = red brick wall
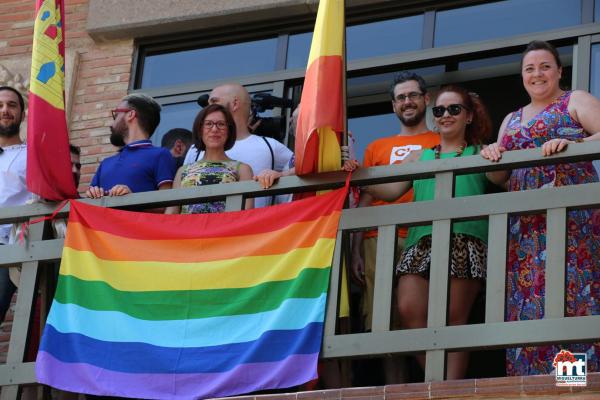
[99, 79]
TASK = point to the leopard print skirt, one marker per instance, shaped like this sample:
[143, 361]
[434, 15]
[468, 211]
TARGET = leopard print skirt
[468, 257]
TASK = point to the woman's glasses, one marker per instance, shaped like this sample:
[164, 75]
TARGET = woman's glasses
[453, 109]
[208, 125]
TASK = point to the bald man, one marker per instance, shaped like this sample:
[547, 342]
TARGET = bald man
[261, 153]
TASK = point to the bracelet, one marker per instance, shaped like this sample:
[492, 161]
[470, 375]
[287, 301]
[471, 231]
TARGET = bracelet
[579, 140]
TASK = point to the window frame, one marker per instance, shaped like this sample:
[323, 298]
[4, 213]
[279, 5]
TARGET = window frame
[284, 82]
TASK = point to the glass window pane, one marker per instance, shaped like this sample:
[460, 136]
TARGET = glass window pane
[209, 63]
[366, 129]
[298, 49]
[595, 71]
[180, 115]
[489, 62]
[388, 77]
[597, 11]
[506, 59]
[504, 18]
[365, 40]
[595, 76]
[384, 37]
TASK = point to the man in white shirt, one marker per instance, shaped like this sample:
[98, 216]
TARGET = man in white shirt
[261, 153]
[13, 165]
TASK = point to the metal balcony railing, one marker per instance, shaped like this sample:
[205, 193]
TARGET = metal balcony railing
[437, 338]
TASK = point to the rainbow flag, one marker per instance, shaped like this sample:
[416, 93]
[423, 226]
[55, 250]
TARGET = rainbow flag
[321, 117]
[48, 156]
[190, 306]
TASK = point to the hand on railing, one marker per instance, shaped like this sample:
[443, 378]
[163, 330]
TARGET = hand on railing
[350, 165]
[95, 192]
[267, 178]
[493, 152]
[555, 146]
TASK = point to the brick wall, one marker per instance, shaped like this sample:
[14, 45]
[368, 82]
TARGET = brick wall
[97, 73]
[97, 76]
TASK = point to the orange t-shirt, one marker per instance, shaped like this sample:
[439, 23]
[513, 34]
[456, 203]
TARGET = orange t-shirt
[392, 150]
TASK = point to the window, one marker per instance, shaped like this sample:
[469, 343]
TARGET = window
[298, 49]
[595, 77]
[595, 71]
[365, 40]
[566, 53]
[210, 63]
[365, 129]
[493, 73]
[597, 11]
[180, 115]
[384, 37]
[491, 61]
[504, 18]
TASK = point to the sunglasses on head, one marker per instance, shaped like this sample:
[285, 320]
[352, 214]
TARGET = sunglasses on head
[453, 109]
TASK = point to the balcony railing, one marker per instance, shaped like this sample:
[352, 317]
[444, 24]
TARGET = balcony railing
[437, 338]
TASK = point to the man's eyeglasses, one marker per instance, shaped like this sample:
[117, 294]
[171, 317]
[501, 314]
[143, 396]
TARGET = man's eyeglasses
[208, 125]
[453, 109]
[116, 111]
[412, 96]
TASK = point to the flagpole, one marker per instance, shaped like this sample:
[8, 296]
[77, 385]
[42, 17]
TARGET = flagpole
[345, 151]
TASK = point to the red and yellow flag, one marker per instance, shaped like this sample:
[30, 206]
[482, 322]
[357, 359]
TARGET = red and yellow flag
[48, 158]
[321, 118]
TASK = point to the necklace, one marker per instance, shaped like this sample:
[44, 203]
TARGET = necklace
[438, 149]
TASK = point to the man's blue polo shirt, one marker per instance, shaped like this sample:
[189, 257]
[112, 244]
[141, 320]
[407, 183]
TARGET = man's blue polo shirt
[139, 165]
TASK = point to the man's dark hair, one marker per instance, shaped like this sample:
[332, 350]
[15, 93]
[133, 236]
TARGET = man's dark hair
[75, 149]
[147, 109]
[168, 141]
[19, 95]
[406, 76]
[199, 122]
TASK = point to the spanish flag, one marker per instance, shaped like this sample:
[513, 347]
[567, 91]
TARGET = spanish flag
[190, 306]
[48, 157]
[321, 117]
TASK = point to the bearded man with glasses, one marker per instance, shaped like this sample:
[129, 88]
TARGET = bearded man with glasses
[409, 102]
[138, 166]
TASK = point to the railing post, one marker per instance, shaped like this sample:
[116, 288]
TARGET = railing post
[334, 287]
[437, 310]
[25, 304]
[496, 268]
[556, 233]
[234, 202]
[386, 248]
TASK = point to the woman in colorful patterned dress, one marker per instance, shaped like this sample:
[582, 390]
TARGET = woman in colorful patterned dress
[214, 133]
[553, 119]
[464, 124]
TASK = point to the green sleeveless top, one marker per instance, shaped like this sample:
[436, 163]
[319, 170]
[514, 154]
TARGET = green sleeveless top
[465, 185]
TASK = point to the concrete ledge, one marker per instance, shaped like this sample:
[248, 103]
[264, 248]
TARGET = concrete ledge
[117, 19]
[517, 387]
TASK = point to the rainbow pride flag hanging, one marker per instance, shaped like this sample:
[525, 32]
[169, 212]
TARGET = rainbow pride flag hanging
[190, 306]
